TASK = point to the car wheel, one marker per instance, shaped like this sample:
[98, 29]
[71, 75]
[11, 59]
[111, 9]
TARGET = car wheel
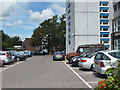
[92, 67]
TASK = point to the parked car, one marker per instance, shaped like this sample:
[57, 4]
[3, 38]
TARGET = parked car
[22, 55]
[6, 56]
[1, 63]
[87, 62]
[83, 48]
[85, 54]
[104, 59]
[58, 56]
[17, 55]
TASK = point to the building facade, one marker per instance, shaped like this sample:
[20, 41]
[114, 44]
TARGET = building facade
[104, 6]
[0, 40]
[27, 45]
[116, 25]
[87, 23]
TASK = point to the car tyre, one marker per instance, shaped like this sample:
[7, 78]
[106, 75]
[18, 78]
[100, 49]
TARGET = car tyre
[92, 67]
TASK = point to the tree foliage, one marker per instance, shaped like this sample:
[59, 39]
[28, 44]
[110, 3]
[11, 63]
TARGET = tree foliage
[10, 42]
[53, 29]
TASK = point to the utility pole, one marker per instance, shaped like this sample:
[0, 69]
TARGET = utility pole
[0, 40]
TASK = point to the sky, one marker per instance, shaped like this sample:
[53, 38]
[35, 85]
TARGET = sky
[22, 18]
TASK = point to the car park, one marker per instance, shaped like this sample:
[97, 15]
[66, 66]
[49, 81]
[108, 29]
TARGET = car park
[58, 56]
[104, 59]
[87, 62]
[6, 56]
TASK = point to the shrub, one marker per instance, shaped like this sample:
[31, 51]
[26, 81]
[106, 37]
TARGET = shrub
[113, 79]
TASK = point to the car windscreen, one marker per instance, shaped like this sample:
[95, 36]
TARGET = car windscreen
[91, 55]
[58, 53]
[115, 54]
[83, 54]
[88, 54]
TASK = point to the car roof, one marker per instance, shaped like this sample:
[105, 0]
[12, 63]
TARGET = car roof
[108, 51]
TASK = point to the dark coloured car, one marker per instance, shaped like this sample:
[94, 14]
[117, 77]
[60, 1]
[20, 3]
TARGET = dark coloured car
[18, 55]
[58, 56]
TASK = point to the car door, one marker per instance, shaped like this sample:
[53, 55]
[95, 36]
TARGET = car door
[105, 61]
[97, 60]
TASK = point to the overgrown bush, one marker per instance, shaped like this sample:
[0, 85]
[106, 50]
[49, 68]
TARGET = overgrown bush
[113, 79]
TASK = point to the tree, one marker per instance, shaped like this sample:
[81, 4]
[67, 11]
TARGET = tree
[53, 29]
[9, 42]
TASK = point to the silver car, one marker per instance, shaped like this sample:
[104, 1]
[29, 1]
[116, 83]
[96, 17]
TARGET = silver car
[104, 59]
[6, 56]
[87, 62]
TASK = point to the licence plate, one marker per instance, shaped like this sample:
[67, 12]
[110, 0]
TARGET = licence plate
[59, 56]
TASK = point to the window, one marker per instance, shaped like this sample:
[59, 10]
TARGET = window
[105, 16]
[105, 29]
[69, 42]
[105, 23]
[106, 42]
[115, 8]
[105, 35]
[100, 41]
[98, 56]
[119, 5]
[105, 57]
[105, 4]
[100, 35]
[100, 29]
[105, 10]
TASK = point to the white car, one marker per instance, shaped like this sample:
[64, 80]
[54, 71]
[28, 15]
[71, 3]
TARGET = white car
[104, 59]
[6, 57]
[87, 62]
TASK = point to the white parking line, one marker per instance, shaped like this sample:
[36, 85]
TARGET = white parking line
[79, 76]
[92, 82]
[75, 68]
[86, 73]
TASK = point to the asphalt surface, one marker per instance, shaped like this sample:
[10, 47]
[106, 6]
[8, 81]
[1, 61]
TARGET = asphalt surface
[43, 72]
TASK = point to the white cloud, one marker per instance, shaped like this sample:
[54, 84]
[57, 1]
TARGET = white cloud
[37, 16]
[19, 22]
[6, 8]
[58, 9]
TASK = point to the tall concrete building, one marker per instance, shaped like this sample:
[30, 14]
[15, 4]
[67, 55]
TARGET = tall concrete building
[0, 40]
[116, 25]
[87, 22]
[105, 23]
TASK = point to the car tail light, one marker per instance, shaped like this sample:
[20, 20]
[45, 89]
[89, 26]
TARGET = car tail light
[63, 55]
[54, 55]
[83, 60]
[102, 64]
[6, 54]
